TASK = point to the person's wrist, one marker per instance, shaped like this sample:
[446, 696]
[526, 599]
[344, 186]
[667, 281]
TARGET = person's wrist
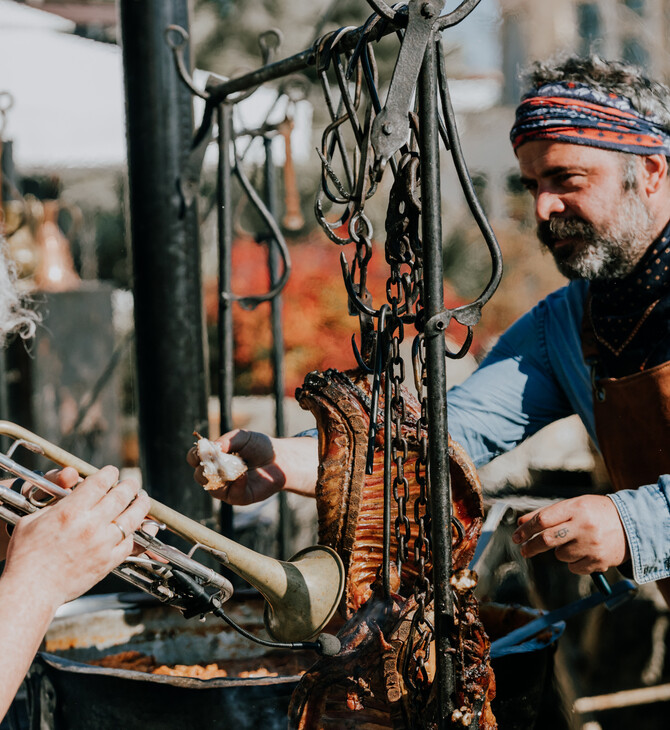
[43, 595]
[298, 460]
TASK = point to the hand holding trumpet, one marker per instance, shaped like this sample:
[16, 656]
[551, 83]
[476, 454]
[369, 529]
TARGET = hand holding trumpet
[87, 534]
[58, 553]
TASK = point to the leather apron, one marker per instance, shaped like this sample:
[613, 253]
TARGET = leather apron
[632, 418]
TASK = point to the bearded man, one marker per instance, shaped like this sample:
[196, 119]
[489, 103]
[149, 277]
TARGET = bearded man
[592, 139]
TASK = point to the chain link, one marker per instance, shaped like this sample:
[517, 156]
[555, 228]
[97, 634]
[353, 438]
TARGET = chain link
[404, 294]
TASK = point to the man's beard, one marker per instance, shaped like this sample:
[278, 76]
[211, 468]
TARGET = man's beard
[610, 251]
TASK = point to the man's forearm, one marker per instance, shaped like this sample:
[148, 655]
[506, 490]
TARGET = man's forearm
[25, 615]
[299, 458]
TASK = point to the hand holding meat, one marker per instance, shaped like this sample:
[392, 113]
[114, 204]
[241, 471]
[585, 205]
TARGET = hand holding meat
[68, 547]
[272, 465]
[585, 532]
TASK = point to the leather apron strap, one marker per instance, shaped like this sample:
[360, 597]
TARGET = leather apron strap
[632, 417]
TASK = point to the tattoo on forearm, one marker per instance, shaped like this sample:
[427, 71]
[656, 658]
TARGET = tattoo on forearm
[562, 532]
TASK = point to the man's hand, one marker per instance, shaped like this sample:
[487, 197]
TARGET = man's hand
[585, 532]
[64, 478]
[66, 548]
[273, 464]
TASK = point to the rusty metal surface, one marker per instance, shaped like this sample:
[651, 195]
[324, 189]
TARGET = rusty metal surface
[157, 630]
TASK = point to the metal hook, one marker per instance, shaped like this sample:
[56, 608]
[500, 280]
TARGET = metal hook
[331, 137]
[328, 227]
[359, 358]
[323, 47]
[269, 42]
[417, 362]
[358, 303]
[336, 139]
[350, 105]
[176, 47]
[460, 529]
[455, 16]
[380, 356]
[464, 347]
[381, 8]
[468, 314]
[369, 24]
[251, 302]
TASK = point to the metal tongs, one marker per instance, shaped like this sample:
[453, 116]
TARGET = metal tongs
[612, 596]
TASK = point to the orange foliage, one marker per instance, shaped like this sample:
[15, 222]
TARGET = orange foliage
[317, 325]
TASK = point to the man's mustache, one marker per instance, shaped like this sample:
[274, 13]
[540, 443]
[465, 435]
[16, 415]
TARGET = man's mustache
[557, 229]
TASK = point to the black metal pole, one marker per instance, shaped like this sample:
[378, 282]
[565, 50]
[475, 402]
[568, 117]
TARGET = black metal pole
[299, 61]
[172, 376]
[438, 453]
[224, 116]
[278, 385]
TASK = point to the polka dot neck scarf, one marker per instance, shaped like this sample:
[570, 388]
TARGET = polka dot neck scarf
[631, 316]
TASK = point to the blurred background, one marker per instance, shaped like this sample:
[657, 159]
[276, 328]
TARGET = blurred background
[65, 217]
[65, 181]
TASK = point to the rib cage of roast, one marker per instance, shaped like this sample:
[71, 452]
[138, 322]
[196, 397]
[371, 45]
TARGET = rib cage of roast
[365, 685]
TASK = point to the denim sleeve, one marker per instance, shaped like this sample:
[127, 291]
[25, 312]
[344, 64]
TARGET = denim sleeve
[311, 432]
[645, 514]
[512, 395]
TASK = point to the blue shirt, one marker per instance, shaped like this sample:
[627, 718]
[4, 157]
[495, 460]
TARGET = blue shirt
[535, 375]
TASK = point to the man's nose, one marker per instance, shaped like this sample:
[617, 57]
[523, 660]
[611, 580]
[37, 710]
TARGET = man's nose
[546, 204]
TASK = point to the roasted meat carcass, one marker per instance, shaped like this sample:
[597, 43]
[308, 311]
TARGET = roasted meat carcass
[350, 503]
[365, 681]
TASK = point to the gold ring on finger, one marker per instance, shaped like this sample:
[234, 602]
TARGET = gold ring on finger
[121, 530]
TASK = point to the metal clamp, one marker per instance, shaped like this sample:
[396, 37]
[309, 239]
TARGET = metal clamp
[391, 126]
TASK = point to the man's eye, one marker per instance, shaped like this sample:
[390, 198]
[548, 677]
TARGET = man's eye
[572, 178]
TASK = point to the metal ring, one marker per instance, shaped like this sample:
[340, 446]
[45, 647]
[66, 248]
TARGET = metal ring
[176, 36]
[121, 530]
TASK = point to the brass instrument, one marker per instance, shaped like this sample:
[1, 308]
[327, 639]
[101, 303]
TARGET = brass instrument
[302, 594]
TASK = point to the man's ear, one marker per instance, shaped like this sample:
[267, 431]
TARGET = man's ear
[655, 172]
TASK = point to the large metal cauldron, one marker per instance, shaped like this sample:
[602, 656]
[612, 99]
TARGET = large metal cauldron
[67, 694]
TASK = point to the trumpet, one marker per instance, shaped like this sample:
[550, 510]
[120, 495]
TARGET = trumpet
[301, 594]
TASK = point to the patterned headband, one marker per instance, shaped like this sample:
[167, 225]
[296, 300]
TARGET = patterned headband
[578, 114]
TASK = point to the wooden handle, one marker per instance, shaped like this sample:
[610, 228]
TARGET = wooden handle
[293, 219]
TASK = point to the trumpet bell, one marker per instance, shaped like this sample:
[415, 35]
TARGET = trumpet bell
[302, 594]
[313, 590]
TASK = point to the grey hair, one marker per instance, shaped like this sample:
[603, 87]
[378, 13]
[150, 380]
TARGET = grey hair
[629, 167]
[646, 96]
[15, 316]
